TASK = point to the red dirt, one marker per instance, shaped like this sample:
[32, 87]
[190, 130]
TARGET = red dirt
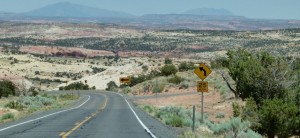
[64, 51]
[2, 112]
[8, 75]
[82, 52]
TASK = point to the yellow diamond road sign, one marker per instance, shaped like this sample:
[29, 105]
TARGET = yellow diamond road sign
[125, 80]
[202, 71]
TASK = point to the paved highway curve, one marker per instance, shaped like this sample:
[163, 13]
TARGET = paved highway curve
[96, 115]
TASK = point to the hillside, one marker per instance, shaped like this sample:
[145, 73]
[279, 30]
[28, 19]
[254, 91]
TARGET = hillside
[131, 42]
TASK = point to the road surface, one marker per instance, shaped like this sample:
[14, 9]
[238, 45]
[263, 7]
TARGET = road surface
[96, 115]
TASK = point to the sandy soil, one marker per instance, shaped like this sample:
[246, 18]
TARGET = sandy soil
[213, 103]
[113, 73]
[27, 66]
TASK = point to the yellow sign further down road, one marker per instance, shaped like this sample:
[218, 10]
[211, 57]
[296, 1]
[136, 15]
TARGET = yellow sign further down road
[125, 80]
[202, 71]
[202, 86]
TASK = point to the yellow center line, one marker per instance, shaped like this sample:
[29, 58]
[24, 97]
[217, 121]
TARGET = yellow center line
[78, 124]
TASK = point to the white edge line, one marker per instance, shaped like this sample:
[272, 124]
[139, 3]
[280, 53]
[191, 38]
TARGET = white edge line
[46, 115]
[137, 117]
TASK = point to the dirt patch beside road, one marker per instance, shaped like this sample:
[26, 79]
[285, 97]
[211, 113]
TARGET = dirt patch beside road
[213, 102]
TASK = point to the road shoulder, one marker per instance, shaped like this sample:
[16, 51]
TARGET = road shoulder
[159, 129]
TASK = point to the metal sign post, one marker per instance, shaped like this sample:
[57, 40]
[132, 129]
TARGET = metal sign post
[202, 86]
[194, 109]
[202, 72]
[202, 107]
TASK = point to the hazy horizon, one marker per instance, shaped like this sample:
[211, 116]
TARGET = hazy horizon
[267, 9]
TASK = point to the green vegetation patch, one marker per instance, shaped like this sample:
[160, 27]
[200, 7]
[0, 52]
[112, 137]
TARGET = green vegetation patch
[76, 86]
[182, 117]
[270, 86]
[175, 79]
[7, 116]
[7, 88]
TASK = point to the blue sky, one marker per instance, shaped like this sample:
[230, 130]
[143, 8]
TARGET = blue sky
[269, 9]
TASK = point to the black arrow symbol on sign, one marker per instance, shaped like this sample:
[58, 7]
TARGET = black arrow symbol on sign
[124, 79]
[202, 69]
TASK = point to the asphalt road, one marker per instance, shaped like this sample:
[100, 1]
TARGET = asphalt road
[96, 115]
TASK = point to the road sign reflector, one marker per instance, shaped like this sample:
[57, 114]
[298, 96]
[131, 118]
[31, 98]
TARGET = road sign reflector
[202, 71]
[202, 86]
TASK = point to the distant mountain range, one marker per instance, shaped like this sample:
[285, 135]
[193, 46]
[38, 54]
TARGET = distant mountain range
[209, 11]
[197, 19]
[7, 14]
[67, 9]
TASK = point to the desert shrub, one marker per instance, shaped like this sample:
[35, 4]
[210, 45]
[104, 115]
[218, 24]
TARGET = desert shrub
[262, 81]
[7, 116]
[250, 112]
[145, 68]
[146, 87]
[37, 73]
[153, 74]
[158, 88]
[141, 78]
[177, 116]
[187, 122]
[168, 61]
[224, 91]
[274, 117]
[31, 103]
[126, 90]
[61, 88]
[184, 66]
[174, 121]
[7, 88]
[33, 91]
[76, 86]
[68, 96]
[150, 109]
[168, 70]
[14, 105]
[220, 115]
[136, 80]
[184, 84]
[97, 70]
[278, 118]
[173, 116]
[236, 109]
[219, 62]
[45, 100]
[249, 134]
[111, 86]
[235, 127]
[175, 79]
[189, 134]
[34, 103]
